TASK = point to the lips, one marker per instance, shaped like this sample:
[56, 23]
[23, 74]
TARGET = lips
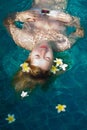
[43, 46]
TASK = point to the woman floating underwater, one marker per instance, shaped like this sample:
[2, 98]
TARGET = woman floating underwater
[42, 30]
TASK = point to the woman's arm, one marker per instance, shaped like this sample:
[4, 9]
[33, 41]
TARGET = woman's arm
[20, 36]
[65, 18]
[26, 16]
[63, 43]
[73, 37]
[72, 21]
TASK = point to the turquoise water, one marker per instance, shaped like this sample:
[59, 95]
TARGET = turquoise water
[37, 111]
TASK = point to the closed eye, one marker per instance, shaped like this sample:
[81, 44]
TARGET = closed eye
[47, 58]
[37, 56]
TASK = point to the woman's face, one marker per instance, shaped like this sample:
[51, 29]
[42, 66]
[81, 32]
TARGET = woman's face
[42, 56]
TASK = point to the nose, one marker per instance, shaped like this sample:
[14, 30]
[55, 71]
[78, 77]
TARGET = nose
[43, 52]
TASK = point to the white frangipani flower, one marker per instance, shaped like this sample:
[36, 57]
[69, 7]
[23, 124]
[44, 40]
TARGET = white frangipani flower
[61, 108]
[58, 61]
[54, 69]
[24, 94]
[63, 66]
[25, 67]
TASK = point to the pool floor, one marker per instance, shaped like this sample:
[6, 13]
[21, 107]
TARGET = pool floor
[38, 110]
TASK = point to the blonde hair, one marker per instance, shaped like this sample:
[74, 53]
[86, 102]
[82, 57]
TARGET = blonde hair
[36, 75]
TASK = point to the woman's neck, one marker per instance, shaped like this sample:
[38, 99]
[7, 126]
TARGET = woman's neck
[51, 4]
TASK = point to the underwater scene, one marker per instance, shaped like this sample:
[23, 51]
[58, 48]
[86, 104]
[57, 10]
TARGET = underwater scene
[62, 104]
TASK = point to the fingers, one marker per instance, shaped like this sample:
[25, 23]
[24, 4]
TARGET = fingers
[80, 32]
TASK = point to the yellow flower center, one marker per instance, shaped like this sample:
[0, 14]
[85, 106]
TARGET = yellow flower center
[10, 118]
[60, 107]
[59, 62]
[25, 67]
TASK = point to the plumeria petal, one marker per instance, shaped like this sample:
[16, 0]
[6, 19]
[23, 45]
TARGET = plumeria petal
[10, 118]
[60, 108]
[24, 94]
[58, 61]
[54, 69]
[63, 66]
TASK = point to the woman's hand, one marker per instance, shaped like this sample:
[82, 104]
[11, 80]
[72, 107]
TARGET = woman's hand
[79, 32]
[26, 16]
[10, 20]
